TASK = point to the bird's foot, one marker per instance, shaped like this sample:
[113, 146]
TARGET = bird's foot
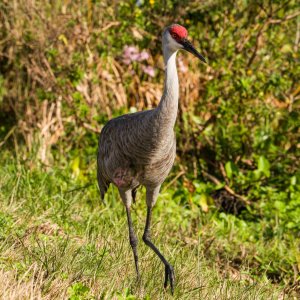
[169, 275]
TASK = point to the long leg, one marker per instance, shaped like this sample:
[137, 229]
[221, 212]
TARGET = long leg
[127, 198]
[151, 197]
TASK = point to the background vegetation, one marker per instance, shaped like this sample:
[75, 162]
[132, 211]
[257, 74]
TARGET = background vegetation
[228, 215]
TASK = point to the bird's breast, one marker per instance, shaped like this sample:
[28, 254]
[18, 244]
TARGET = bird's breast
[158, 166]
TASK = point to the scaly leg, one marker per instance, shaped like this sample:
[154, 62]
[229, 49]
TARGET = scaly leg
[126, 197]
[169, 271]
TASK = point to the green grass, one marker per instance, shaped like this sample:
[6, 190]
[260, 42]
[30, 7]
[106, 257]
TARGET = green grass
[59, 241]
[63, 76]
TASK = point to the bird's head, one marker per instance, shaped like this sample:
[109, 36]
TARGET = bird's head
[175, 38]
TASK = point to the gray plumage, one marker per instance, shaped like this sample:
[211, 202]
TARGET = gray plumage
[140, 148]
[135, 149]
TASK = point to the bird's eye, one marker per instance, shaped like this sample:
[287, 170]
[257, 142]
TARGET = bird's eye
[174, 35]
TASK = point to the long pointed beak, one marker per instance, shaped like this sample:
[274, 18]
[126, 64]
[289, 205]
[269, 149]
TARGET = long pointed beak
[187, 45]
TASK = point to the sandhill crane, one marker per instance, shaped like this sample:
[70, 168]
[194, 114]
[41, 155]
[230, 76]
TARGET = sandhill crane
[139, 148]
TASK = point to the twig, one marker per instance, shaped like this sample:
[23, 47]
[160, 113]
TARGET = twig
[211, 120]
[287, 18]
[173, 180]
[78, 188]
[8, 135]
[263, 9]
[208, 245]
[226, 187]
[297, 37]
[257, 44]
[269, 21]
[90, 127]
[116, 23]
[222, 169]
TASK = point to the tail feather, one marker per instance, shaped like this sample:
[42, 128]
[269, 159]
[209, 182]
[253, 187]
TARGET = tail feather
[103, 185]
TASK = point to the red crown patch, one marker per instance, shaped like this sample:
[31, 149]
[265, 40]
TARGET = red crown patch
[178, 31]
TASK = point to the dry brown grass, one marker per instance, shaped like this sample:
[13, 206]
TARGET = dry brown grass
[32, 30]
[30, 285]
[195, 279]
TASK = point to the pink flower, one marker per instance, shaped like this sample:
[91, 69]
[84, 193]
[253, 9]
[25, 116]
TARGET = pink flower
[144, 55]
[132, 53]
[148, 70]
[129, 50]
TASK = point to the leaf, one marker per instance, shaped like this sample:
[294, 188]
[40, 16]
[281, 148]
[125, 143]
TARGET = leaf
[63, 38]
[203, 200]
[290, 225]
[264, 166]
[196, 119]
[76, 166]
[287, 48]
[256, 175]
[293, 180]
[78, 291]
[231, 169]
[280, 206]
[219, 186]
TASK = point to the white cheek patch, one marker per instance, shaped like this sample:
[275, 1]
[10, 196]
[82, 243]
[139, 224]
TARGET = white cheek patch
[172, 44]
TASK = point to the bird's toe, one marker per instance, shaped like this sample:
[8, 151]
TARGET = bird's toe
[169, 276]
[166, 277]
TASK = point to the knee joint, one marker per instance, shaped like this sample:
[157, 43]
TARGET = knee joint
[146, 238]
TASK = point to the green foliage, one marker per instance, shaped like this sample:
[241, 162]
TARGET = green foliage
[263, 166]
[126, 295]
[79, 291]
[231, 169]
[63, 76]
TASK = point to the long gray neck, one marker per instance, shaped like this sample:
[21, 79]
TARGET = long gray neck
[168, 106]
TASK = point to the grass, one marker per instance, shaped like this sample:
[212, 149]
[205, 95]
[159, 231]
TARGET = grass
[58, 241]
[63, 75]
